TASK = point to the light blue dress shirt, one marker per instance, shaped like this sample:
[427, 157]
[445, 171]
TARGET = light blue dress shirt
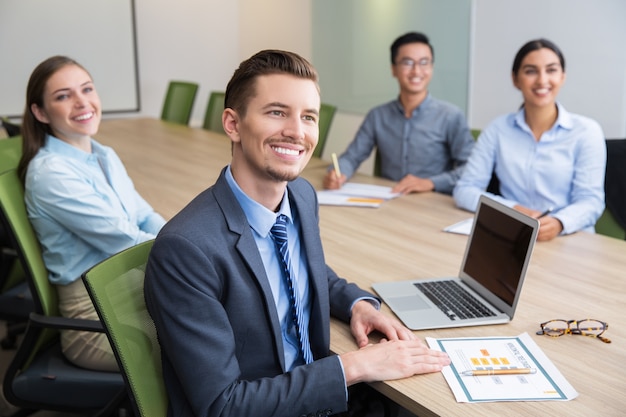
[564, 170]
[261, 221]
[84, 208]
[433, 143]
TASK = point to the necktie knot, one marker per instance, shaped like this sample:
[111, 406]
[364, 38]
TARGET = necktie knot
[279, 230]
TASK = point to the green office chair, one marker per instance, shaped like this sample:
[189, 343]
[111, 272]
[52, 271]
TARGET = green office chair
[10, 152]
[16, 302]
[179, 101]
[327, 114]
[39, 377]
[475, 133]
[116, 289]
[608, 226]
[214, 110]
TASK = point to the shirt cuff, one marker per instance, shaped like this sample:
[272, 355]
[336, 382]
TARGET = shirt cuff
[345, 384]
[373, 301]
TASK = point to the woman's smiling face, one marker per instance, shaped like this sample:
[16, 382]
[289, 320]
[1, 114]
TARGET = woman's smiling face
[540, 78]
[71, 105]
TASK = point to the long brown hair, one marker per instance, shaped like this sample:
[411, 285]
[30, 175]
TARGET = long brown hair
[34, 132]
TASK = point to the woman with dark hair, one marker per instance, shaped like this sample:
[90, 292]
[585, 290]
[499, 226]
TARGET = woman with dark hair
[80, 200]
[547, 160]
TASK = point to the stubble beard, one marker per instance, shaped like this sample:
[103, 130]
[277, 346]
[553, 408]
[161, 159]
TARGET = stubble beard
[281, 175]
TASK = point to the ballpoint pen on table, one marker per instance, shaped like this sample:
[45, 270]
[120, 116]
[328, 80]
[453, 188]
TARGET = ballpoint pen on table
[488, 372]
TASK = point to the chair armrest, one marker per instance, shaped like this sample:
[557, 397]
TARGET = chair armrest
[58, 322]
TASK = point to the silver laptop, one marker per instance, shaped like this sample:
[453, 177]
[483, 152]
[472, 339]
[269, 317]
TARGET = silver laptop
[489, 284]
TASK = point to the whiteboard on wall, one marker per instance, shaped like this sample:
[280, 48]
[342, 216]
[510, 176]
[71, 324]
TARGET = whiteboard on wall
[100, 35]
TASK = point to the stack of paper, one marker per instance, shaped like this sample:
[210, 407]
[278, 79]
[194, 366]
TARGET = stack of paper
[354, 194]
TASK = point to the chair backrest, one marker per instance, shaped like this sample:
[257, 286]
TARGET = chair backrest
[10, 152]
[25, 241]
[214, 110]
[179, 101]
[115, 286]
[327, 114]
[12, 129]
[608, 226]
[22, 236]
[10, 270]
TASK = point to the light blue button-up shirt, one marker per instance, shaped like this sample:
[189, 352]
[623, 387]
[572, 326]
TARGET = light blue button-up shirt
[84, 208]
[564, 170]
[261, 221]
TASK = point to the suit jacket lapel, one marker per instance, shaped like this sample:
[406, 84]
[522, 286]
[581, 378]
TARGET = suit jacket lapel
[319, 324]
[246, 246]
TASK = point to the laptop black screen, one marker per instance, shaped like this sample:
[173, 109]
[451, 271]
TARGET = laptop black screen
[497, 252]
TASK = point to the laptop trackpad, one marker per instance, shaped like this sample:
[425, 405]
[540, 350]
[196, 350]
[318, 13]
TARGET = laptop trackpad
[411, 302]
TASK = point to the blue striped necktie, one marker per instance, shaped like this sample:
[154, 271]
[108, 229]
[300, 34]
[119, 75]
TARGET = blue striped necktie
[279, 234]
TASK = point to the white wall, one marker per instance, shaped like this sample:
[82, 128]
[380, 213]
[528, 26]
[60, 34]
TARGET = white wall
[592, 37]
[195, 40]
[275, 24]
[204, 40]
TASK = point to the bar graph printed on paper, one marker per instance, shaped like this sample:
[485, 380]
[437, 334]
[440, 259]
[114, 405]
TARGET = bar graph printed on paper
[477, 364]
[485, 358]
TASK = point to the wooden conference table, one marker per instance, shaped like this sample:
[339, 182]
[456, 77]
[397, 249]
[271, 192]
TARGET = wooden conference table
[571, 277]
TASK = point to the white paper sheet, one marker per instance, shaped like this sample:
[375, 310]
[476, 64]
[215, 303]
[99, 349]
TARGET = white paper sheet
[464, 227]
[469, 354]
[326, 198]
[356, 194]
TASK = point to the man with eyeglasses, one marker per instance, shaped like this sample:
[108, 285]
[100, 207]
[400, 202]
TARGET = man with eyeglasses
[421, 142]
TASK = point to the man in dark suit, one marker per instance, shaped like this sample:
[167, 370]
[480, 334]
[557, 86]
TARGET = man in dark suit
[231, 342]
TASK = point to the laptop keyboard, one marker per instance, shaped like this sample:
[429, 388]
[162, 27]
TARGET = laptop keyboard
[453, 300]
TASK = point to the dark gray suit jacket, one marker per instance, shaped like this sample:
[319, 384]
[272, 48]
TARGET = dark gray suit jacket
[208, 294]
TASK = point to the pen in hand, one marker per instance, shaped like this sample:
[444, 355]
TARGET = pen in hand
[336, 165]
[545, 213]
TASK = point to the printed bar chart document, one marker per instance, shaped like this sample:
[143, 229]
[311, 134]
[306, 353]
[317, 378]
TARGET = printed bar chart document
[501, 369]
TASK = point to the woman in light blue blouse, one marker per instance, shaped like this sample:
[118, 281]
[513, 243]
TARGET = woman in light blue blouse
[546, 159]
[80, 200]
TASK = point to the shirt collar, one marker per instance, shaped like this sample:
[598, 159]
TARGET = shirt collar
[259, 217]
[563, 119]
[400, 107]
[58, 146]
